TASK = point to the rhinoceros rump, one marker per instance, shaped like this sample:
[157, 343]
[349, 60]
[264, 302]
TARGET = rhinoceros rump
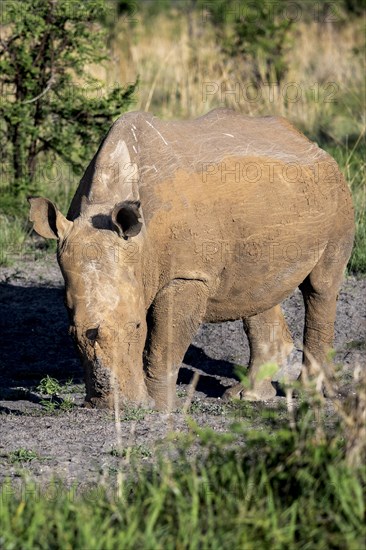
[179, 223]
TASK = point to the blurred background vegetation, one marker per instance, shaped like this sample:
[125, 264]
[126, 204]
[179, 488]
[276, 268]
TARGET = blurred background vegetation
[68, 69]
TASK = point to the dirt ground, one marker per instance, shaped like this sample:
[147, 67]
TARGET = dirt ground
[81, 445]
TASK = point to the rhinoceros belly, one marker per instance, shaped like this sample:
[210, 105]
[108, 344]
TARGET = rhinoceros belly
[246, 289]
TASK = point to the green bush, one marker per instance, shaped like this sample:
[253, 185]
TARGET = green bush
[51, 107]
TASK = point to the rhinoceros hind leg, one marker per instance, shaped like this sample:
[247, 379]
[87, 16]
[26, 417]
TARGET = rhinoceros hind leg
[320, 291]
[269, 342]
[173, 320]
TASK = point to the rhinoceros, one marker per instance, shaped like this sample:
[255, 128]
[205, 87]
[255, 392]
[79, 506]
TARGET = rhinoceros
[178, 223]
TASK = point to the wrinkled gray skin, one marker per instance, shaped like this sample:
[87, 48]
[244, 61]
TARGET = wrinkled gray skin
[179, 223]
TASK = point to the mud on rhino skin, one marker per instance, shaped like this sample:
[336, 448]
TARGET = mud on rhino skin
[178, 223]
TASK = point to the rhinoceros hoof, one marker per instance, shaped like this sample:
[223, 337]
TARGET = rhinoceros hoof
[97, 403]
[262, 393]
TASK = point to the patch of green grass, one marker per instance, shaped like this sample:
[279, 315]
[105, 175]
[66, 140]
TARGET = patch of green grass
[22, 455]
[358, 259]
[15, 227]
[49, 406]
[56, 405]
[13, 234]
[212, 408]
[134, 452]
[181, 392]
[67, 404]
[356, 345]
[135, 413]
[246, 410]
[351, 161]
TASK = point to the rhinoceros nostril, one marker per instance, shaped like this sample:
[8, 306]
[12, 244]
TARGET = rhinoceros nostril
[92, 334]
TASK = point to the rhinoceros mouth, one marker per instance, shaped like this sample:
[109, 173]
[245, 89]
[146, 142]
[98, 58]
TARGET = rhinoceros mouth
[100, 380]
[103, 390]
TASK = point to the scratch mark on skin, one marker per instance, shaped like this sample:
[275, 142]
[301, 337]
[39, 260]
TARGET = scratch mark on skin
[134, 148]
[134, 134]
[157, 131]
[230, 135]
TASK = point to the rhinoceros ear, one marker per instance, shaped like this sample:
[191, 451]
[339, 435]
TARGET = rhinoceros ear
[125, 217]
[47, 219]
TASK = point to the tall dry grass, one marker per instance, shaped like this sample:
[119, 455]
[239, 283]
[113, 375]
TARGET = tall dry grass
[176, 57]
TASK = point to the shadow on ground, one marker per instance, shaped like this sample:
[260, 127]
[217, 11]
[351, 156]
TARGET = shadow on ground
[34, 342]
[208, 383]
[33, 337]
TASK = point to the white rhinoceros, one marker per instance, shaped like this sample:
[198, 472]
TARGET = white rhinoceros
[179, 223]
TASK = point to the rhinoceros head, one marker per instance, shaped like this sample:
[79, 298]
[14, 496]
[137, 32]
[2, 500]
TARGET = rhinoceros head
[99, 259]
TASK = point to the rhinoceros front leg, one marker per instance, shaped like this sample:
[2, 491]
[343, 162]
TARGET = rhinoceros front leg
[269, 342]
[173, 320]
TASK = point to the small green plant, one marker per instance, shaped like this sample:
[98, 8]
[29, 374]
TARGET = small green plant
[49, 405]
[67, 404]
[52, 388]
[356, 345]
[135, 413]
[116, 452]
[22, 455]
[141, 451]
[214, 409]
[49, 386]
[181, 392]
[135, 451]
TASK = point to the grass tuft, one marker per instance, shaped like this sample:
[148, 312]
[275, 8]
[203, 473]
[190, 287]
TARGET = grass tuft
[22, 455]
